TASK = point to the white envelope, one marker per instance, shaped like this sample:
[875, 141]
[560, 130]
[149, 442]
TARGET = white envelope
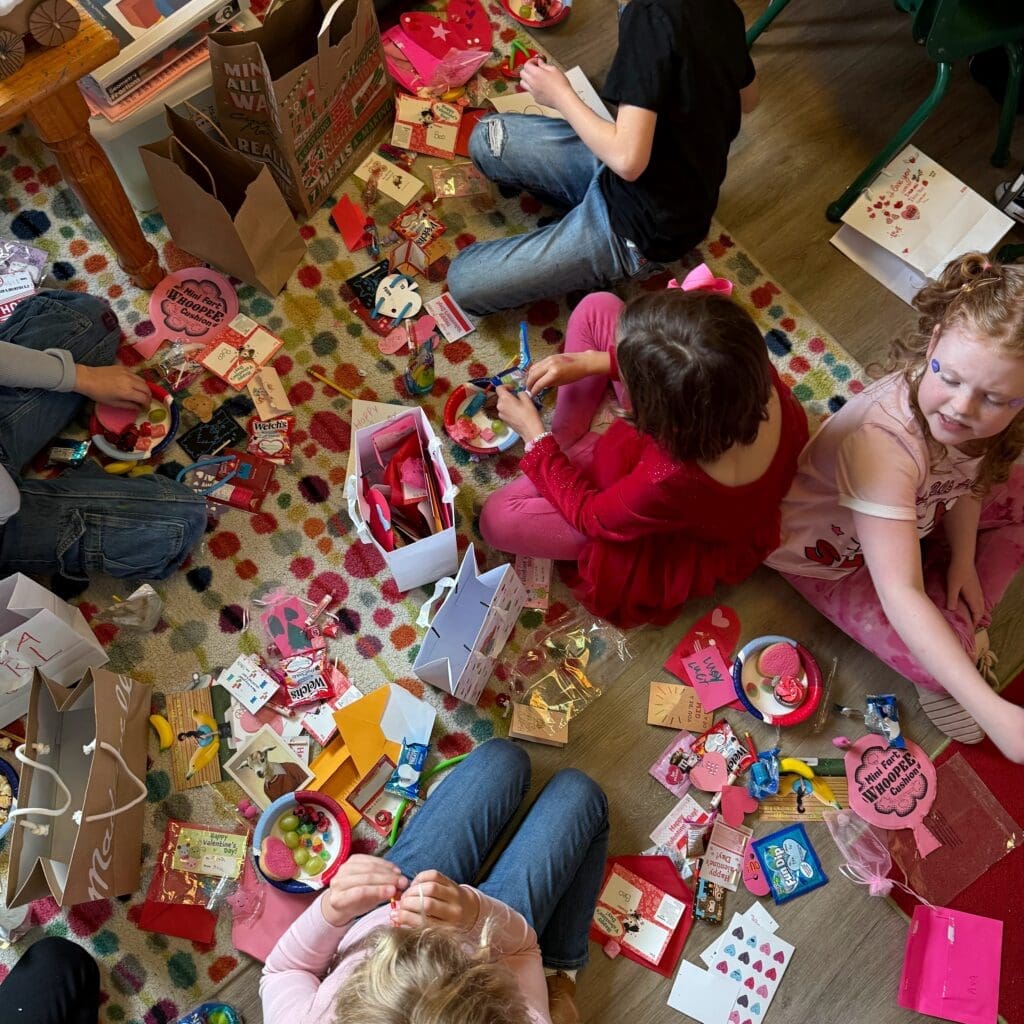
[39, 630]
[469, 630]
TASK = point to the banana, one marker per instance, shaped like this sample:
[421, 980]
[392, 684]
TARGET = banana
[796, 766]
[163, 730]
[202, 756]
[211, 723]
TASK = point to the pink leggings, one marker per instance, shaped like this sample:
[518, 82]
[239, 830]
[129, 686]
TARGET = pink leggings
[516, 518]
[852, 604]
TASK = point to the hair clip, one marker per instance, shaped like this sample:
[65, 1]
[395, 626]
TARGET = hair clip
[700, 279]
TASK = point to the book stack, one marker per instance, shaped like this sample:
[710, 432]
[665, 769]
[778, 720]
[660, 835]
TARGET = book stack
[160, 39]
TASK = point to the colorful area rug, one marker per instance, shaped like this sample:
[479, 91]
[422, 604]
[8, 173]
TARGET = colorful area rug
[303, 539]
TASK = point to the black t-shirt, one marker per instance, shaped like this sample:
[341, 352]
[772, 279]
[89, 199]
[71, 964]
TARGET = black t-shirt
[686, 60]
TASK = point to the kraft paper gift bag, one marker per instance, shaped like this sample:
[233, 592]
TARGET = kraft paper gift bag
[77, 831]
[307, 93]
[222, 206]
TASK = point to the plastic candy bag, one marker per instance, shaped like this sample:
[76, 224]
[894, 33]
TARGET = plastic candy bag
[867, 860]
[140, 610]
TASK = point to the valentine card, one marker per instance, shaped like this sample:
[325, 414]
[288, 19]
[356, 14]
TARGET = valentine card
[268, 394]
[719, 628]
[248, 683]
[535, 575]
[638, 914]
[394, 182]
[756, 959]
[350, 221]
[237, 351]
[320, 723]
[676, 706]
[451, 318]
[708, 674]
[723, 859]
[643, 912]
[703, 995]
[683, 827]
[426, 126]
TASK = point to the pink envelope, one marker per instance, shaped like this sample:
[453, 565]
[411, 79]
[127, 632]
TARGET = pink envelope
[951, 966]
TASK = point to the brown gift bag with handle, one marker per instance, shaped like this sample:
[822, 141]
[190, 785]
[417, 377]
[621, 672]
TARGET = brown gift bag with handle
[307, 93]
[221, 206]
[77, 830]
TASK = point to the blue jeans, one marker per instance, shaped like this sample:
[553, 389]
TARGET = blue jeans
[578, 252]
[552, 868]
[84, 521]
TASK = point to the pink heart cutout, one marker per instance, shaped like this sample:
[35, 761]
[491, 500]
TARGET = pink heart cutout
[762, 991]
[755, 882]
[770, 974]
[398, 339]
[736, 802]
[711, 774]
[719, 618]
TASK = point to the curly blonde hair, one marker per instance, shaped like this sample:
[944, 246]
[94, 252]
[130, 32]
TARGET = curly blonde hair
[987, 299]
[425, 976]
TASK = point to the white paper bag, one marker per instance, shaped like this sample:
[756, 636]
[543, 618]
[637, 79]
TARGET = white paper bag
[39, 630]
[425, 560]
[912, 220]
[469, 630]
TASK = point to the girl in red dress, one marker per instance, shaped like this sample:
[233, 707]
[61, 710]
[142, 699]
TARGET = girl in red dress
[683, 489]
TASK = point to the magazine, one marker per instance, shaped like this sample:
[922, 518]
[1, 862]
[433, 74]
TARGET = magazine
[153, 34]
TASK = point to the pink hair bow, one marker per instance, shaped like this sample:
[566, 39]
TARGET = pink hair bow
[700, 279]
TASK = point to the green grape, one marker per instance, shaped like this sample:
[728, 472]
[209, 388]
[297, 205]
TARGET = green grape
[313, 866]
[301, 855]
[291, 840]
[289, 823]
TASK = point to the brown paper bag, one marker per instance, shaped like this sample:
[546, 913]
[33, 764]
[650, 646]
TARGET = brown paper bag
[77, 831]
[307, 93]
[222, 206]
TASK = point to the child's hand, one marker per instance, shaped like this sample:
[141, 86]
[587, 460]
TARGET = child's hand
[545, 83]
[518, 412]
[112, 385]
[554, 371]
[433, 898]
[361, 884]
[962, 584]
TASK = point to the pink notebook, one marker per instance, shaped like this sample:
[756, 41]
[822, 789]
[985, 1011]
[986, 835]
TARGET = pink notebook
[951, 966]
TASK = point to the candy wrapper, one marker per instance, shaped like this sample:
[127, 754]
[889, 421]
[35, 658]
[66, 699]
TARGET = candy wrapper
[454, 181]
[882, 717]
[271, 439]
[405, 779]
[791, 866]
[177, 366]
[16, 256]
[140, 610]
[721, 739]
[763, 780]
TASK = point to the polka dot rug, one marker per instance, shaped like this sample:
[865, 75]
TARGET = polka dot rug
[303, 539]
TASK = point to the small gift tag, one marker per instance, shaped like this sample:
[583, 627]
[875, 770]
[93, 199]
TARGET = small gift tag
[248, 683]
[397, 297]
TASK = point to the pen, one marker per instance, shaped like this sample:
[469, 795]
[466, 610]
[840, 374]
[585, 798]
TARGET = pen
[331, 384]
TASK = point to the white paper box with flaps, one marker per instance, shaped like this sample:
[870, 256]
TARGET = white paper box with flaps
[470, 628]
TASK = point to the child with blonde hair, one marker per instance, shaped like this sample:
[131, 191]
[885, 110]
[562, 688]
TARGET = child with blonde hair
[683, 490]
[928, 454]
[408, 938]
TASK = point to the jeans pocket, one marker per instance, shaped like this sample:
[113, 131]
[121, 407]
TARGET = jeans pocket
[120, 545]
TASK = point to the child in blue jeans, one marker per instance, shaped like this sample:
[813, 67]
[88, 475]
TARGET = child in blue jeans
[56, 350]
[640, 190]
[453, 948]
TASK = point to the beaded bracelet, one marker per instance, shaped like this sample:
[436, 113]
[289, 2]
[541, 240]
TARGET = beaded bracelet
[537, 440]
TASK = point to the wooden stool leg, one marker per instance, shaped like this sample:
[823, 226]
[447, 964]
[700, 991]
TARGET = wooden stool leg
[62, 121]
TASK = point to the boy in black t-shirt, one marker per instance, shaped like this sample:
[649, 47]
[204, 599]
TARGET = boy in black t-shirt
[638, 190]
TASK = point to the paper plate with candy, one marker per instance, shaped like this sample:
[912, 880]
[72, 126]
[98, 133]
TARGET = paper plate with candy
[777, 680]
[131, 435]
[300, 841]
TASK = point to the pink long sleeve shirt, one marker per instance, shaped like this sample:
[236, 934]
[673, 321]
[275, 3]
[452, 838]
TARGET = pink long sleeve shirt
[305, 974]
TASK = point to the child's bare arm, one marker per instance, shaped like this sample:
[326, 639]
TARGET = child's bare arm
[750, 96]
[893, 557]
[623, 145]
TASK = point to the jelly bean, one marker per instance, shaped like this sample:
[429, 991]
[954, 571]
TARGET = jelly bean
[289, 823]
[325, 854]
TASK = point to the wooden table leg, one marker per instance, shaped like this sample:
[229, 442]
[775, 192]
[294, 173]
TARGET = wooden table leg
[62, 121]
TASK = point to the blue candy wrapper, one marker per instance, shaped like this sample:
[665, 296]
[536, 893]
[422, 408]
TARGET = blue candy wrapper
[790, 864]
[405, 779]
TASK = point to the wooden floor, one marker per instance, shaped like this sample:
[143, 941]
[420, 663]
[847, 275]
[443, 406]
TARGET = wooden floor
[837, 78]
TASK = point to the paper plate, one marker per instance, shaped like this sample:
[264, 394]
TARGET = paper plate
[161, 414]
[339, 846]
[192, 305]
[457, 401]
[511, 9]
[762, 703]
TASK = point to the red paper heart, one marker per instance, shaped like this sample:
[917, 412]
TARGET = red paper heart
[736, 802]
[467, 28]
[711, 773]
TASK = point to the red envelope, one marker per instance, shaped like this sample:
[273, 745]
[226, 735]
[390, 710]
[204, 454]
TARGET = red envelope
[661, 875]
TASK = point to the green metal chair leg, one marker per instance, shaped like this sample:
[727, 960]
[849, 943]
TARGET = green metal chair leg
[774, 9]
[1015, 58]
[895, 145]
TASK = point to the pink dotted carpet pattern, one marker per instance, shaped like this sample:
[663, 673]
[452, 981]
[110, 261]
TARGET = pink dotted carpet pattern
[303, 539]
